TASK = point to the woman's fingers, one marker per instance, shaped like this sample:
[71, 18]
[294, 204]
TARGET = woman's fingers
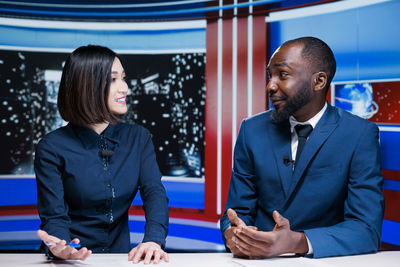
[148, 251]
[46, 237]
[75, 240]
[148, 254]
[61, 249]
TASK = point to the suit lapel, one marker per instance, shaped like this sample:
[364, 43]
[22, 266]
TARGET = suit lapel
[317, 138]
[280, 142]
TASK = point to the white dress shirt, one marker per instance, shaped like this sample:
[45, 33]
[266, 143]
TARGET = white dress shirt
[293, 122]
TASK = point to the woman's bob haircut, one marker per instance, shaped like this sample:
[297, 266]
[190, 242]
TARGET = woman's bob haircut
[85, 84]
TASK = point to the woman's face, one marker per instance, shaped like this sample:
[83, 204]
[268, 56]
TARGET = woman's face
[118, 89]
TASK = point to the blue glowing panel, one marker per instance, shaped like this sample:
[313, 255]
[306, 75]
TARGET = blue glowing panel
[18, 192]
[22, 192]
[391, 232]
[163, 40]
[390, 150]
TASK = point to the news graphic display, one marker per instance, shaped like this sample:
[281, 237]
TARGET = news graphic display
[378, 102]
[166, 96]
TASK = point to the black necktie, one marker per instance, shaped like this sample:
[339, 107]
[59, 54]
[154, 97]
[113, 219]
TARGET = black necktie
[303, 131]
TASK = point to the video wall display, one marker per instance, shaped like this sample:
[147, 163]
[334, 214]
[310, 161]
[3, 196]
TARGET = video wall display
[378, 102]
[166, 96]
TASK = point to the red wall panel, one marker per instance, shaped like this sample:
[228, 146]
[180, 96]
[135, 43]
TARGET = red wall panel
[226, 157]
[259, 63]
[211, 106]
[257, 97]
[241, 103]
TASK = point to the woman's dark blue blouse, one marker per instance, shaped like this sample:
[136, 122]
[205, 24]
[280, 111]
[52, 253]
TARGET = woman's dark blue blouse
[85, 194]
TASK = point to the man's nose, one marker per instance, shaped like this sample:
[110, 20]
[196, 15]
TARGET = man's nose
[271, 86]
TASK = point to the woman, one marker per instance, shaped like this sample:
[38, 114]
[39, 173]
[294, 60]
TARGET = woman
[89, 171]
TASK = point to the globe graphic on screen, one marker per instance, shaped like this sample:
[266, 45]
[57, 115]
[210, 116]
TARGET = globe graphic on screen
[356, 98]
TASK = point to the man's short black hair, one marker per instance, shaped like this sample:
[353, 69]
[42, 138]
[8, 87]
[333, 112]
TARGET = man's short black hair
[319, 55]
[84, 86]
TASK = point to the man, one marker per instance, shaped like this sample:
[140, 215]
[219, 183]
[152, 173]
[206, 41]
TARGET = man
[324, 200]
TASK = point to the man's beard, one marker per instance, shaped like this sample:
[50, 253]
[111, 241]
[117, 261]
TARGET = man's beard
[293, 104]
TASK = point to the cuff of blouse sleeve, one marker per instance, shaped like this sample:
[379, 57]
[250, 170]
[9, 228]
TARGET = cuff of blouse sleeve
[60, 231]
[155, 232]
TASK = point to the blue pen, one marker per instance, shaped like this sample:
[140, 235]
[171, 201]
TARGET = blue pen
[71, 244]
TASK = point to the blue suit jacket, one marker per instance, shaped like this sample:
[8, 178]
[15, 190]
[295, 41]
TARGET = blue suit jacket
[334, 194]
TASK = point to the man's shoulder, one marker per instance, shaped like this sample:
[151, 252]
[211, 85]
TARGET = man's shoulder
[352, 121]
[262, 117]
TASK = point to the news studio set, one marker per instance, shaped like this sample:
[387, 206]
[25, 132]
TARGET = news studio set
[195, 69]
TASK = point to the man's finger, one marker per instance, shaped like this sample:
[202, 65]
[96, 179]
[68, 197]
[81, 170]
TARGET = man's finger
[280, 220]
[237, 253]
[235, 220]
[250, 237]
[247, 233]
[230, 244]
[252, 252]
[229, 232]
[242, 252]
[252, 247]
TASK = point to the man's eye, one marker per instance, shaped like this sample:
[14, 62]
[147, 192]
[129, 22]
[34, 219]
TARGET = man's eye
[283, 74]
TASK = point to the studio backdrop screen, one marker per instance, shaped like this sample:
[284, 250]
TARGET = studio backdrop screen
[166, 95]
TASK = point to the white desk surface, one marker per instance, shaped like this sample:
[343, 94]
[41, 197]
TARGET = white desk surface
[381, 259]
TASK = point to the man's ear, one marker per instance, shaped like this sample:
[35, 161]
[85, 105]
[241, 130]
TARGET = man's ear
[319, 80]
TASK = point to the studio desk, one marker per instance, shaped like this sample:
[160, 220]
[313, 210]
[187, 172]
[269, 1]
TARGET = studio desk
[380, 259]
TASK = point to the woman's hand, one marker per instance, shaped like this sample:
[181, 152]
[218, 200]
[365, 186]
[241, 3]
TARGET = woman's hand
[61, 249]
[147, 251]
